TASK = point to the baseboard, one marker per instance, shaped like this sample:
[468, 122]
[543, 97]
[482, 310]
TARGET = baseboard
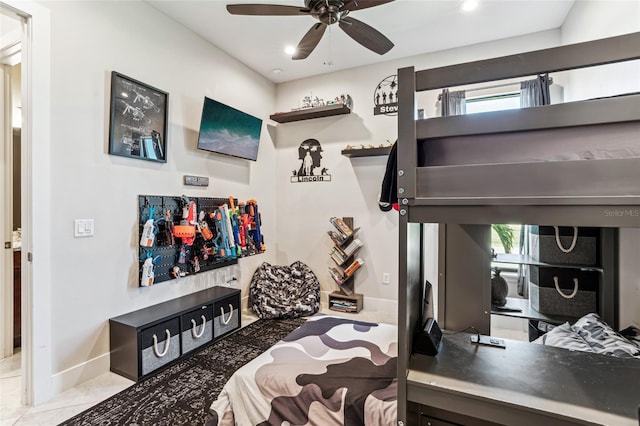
[80, 373]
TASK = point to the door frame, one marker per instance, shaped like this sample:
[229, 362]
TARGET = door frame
[36, 292]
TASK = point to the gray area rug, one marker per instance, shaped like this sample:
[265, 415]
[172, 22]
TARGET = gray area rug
[182, 393]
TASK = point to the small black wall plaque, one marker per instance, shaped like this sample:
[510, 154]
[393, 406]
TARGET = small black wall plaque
[196, 180]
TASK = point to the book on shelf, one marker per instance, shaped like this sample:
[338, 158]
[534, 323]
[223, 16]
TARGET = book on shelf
[336, 237]
[339, 260]
[349, 270]
[343, 304]
[353, 246]
[344, 229]
[340, 257]
[337, 276]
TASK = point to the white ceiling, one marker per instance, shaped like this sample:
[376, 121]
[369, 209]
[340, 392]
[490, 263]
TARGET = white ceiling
[414, 26]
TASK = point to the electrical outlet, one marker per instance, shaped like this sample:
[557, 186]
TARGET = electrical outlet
[385, 278]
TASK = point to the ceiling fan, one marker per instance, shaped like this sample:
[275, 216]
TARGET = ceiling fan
[327, 12]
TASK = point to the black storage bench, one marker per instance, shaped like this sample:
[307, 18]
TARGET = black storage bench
[145, 340]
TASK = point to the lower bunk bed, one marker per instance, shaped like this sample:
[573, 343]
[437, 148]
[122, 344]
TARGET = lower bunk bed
[329, 371]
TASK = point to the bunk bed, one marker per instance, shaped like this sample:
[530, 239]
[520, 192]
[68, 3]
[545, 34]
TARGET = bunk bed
[470, 171]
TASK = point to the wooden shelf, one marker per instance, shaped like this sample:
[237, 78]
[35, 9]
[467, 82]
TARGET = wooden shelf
[520, 259]
[366, 152]
[310, 113]
[527, 312]
[338, 297]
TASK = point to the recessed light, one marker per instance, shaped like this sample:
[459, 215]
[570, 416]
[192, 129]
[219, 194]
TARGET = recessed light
[276, 70]
[289, 50]
[468, 5]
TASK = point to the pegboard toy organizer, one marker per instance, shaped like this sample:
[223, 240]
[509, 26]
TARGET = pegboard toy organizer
[169, 251]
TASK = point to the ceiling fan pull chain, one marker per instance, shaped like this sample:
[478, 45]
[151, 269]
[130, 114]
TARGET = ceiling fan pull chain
[330, 61]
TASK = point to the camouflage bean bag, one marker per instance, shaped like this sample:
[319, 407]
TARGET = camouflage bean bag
[284, 291]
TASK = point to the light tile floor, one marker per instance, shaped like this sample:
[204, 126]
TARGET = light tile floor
[61, 407]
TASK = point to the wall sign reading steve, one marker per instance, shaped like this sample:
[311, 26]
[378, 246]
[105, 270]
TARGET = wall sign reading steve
[385, 97]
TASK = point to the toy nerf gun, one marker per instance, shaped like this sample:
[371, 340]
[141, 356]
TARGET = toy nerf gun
[221, 241]
[227, 220]
[186, 231]
[245, 227]
[149, 230]
[169, 229]
[252, 207]
[242, 226]
[233, 213]
[147, 271]
[203, 227]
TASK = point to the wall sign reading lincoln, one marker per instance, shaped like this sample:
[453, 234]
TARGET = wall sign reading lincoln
[310, 170]
[385, 97]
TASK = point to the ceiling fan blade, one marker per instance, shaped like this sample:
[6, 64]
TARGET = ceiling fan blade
[352, 5]
[367, 36]
[266, 10]
[309, 41]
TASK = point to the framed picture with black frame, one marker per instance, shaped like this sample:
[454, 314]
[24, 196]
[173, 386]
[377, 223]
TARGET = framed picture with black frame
[138, 120]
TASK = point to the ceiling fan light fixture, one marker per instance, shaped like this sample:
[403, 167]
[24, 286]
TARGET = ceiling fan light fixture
[326, 12]
[468, 5]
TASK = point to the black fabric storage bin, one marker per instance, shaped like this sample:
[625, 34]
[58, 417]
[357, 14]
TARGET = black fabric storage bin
[164, 348]
[197, 328]
[577, 301]
[226, 316]
[544, 247]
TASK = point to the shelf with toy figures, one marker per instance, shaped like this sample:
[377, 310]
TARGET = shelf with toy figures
[310, 113]
[366, 152]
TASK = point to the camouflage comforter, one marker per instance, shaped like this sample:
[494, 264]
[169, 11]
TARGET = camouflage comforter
[329, 371]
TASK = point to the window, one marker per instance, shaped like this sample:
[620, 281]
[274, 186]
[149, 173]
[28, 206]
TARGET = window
[510, 100]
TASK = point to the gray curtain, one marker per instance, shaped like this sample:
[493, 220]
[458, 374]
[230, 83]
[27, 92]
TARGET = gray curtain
[453, 103]
[535, 92]
[523, 270]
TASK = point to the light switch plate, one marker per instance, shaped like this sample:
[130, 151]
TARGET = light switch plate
[83, 228]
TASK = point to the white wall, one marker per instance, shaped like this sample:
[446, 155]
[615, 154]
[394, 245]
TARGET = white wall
[304, 209]
[93, 279]
[604, 20]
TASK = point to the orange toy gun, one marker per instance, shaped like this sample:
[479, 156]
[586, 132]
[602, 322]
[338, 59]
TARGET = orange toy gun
[203, 227]
[186, 231]
[243, 222]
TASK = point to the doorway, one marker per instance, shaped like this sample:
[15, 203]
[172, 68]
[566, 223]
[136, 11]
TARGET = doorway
[11, 342]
